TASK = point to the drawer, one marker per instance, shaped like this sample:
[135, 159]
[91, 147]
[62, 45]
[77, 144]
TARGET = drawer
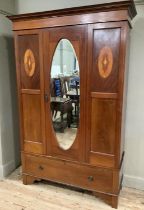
[83, 176]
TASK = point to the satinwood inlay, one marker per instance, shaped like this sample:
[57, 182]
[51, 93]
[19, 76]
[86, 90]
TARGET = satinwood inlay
[29, 62]
[105, 62]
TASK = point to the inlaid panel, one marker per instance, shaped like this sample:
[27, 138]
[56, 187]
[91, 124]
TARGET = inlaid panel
[105, 66]
[29, 61]
[103, 125]
[105, 62]
[31, 117]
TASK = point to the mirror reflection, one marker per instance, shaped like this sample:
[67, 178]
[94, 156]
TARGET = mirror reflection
[65, 93]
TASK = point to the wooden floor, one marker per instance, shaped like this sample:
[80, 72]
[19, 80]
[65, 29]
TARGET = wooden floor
[47, 196]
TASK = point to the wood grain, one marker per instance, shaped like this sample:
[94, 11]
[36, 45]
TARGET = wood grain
[105, 38]
[32, 117]
[31, 42]
[72, 174]
[102, 159]
[103, 120]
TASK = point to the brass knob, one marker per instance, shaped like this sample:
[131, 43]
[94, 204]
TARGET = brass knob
[41, 168]
[90, 178]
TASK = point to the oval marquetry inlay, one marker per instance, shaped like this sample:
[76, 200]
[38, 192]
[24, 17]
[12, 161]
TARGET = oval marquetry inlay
[29, 62]
[105, 62]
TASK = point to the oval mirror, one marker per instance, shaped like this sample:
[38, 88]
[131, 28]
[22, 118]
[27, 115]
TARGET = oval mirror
[65, 93]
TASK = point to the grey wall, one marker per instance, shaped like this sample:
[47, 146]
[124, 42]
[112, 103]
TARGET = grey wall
[9, 143]
[134, 161]
[36, 5]
[8, 5]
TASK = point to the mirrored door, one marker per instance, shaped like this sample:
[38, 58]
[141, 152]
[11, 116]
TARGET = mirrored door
[65, 93]
[65, 81]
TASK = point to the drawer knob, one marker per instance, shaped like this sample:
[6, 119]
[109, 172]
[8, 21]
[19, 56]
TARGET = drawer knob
[90, 178]
[41, 168]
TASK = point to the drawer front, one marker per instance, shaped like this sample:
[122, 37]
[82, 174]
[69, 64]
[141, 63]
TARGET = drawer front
[65, 172]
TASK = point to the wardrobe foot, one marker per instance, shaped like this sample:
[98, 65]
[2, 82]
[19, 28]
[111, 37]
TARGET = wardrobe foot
[27, 180]
[109, 199]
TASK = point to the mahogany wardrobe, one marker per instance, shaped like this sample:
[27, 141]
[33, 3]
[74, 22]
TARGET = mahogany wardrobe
[72, 69]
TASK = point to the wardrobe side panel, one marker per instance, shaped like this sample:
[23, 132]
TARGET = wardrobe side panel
[30, 90]
[105, 93]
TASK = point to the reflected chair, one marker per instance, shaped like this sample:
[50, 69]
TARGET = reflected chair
[74, 95]
[62, 105]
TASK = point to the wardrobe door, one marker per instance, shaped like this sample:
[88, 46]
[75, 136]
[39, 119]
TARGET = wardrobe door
[64, 60]
[30, 90]
[107, 48]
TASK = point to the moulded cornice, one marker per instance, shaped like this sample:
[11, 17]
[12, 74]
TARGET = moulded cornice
[121, 5]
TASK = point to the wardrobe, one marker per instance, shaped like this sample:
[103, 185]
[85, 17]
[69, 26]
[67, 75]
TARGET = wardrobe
[91, 109]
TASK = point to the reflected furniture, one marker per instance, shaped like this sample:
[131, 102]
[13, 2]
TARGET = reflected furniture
[57, 87]
[61, 105]
[74, 95]
[99, 35]
[64, 106]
